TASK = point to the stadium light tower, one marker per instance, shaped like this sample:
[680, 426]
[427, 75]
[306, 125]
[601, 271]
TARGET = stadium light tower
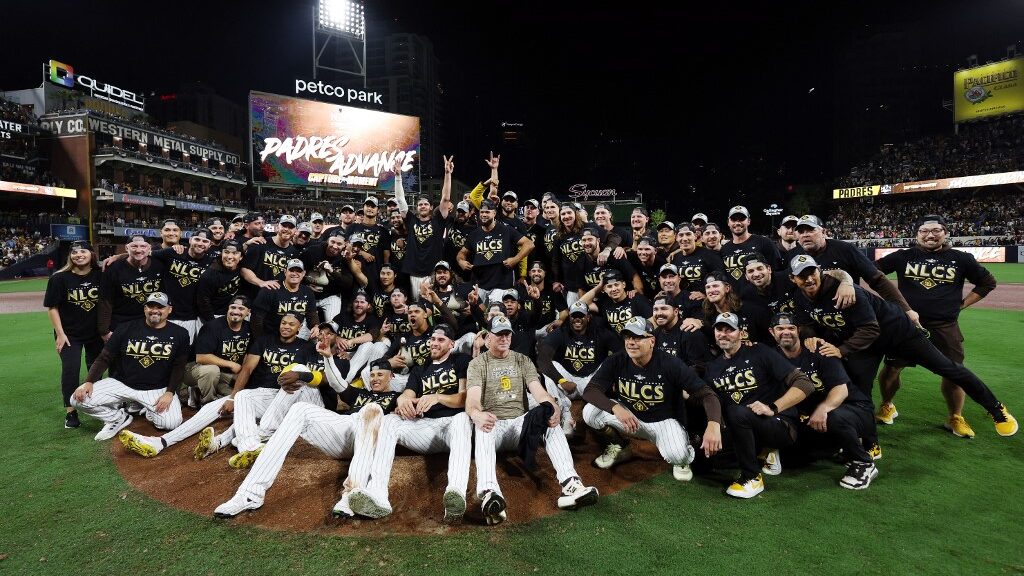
[340, 21]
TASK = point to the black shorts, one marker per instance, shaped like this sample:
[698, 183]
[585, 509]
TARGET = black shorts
[946, 336]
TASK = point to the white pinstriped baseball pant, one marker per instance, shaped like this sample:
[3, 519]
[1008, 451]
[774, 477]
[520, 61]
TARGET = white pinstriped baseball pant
[505, 436]
[425, 436]
[668, 435]
[108, 394]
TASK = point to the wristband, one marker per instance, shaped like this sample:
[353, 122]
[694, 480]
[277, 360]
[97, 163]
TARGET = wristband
[775, 408]
[562, 381]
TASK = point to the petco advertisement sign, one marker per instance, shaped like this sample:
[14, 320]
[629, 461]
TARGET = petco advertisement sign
[64, 75]
[302, 142]
[303, 87]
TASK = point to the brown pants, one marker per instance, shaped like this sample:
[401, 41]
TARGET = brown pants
[211, 381]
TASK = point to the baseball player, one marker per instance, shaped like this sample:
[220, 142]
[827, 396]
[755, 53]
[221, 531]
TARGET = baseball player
[255, 389]
[337, 435]
[492, 252]
[425, 229]
[639, 393]
[150, 355]
[873, 328]
[429, 419]
[359, 331]
[835, 409]
[266, 260]
[758, 389]
[694, 262]
[678, 336]
[496, 400]
[126, 284]
[184, 267]
[292, 296]
[744, 245]
[220, 282]
[570, 355]
[931, 276]
[220, 349]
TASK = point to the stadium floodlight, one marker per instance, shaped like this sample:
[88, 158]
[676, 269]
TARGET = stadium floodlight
[345, 17]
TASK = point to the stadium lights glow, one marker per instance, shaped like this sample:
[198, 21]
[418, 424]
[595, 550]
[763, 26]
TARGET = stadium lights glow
[343, 16]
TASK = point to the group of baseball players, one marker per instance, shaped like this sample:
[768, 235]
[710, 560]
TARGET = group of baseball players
[471, 328]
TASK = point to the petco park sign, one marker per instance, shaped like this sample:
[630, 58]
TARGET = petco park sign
[64, 75]
[303, 87]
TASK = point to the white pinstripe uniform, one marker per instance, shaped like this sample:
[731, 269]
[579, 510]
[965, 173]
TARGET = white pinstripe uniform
[108, 394]
[250, 405]
[364, 354]
[668, 435]
[426, 435]
[191, 326]
[565, 398]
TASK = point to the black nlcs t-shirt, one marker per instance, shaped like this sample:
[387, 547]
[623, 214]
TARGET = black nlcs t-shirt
[181, 281]
[127, 287]
[777, 298]
[217, 338]
[274, 304]
[839, 255]
[147, 355]
[76, 299]
[275, 356]
[693, 269]
[755, 374]
[545, 309]
[488, 250]
[734, 256]
[825, 373]
[268, 261]
[933, 282]
[618, 313]
[217, 287]
[581, 354]
[418, 347]
[425, 243]
[356, 398]
[648, 274]
[836, 326]
[349, 328]
[439, 378]
[593, 273]
[652, 393]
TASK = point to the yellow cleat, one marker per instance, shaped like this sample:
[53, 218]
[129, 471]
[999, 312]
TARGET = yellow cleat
[747, 489]
[886, 413]
[245, 459]
[141, 445]
[1006, 424]
[959, 427]
[206, 445]
[875, 451]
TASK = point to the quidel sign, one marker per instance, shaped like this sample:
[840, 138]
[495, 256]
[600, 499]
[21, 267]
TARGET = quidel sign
[64, 75]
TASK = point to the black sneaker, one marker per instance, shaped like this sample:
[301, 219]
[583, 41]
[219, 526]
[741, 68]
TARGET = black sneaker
[859, 475]
[71, 419]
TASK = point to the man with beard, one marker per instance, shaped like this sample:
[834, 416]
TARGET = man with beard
[931, 275]
[544, 304]
[836, 254]
[430, 418]
[409, 350]
[184, 268]
[872, 329]
[689, 306]
[150, 356]
[678, 336]
[694, 262]
[359, 335]
[220, 282]
[638, 393]
[744, 245]
[787, 236]
[509, 215]
[291, 298]
[835, 408]
[460, 299]
[759, 390]
[647, 261]
[425, 239]
[458, 231]
[348, 216]
[265, 263]
[593, 268]
[638, 221]
[125, 285]
[488, 253]
[220, 348]
[535, 231]
[607, 228]
[775, 292]
[698, 222]
[217, 231]
[569, 356]
[252, 232]
[330, 274]
[399, 243]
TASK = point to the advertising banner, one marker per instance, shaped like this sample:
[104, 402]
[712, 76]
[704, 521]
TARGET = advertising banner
[36, 189]
[138, 200]
[856, 192]
[1000, 178]
[84, 123]
[980, 253]
[989, 90]
[183, 205]
[299, 142]
[69, 231]
[147, 232]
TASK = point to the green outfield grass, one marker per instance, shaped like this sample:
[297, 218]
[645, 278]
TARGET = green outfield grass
[25, 285]
[1007, 273]
[940, 506]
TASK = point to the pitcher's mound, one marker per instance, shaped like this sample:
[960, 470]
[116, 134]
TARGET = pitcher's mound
[310, 484]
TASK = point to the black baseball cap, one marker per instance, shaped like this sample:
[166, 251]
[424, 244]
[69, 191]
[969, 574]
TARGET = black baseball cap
[252, 217]
[613, 275]
[241, 299]
[782, 319]
[445, 329]
[81, 245]
[380, 364]
[930, 219]
[232, 244]
[332, 326]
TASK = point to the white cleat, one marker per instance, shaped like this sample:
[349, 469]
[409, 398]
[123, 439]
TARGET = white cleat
[236, 506]
[110, 429]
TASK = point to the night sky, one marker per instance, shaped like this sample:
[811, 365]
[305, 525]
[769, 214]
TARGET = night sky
[666, 98]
